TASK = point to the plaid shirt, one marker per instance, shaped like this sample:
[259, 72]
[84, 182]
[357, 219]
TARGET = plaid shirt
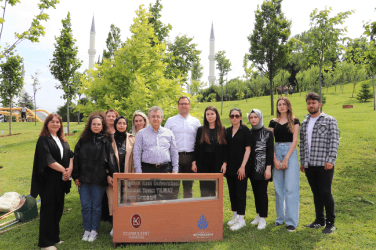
[324, 144]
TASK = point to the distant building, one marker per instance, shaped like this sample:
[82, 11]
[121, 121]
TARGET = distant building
[92, 50]
[212, 77]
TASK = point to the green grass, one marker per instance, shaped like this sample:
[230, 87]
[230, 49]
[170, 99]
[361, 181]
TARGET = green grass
[353, 187]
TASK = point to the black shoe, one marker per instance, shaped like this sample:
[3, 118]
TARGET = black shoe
[290, 228]
[278, 224]
[315, 224]
[329, 229]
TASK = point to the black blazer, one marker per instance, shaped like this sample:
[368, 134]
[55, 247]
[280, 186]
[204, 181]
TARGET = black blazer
[47, 152]
[220, 153]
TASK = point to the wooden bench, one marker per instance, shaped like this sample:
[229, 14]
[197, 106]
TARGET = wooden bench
[347, 106]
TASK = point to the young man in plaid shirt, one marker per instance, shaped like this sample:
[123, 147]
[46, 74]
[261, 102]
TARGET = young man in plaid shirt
[318, 152]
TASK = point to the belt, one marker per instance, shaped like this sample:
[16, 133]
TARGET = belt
[156, 165]
[186, 153]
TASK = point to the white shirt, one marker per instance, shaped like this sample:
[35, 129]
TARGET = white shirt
[310, 126]
[58, 142]
[23, 109]
[185, 130]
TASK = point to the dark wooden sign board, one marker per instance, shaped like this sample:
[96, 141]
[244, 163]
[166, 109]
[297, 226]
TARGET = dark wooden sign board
[181, 220]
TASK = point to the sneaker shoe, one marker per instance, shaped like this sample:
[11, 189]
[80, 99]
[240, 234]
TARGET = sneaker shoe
[315, 224]
[112, 232]
[86, 235]
[329, 229]
[233, 221]
[256, 220]
[93, 235]
[262, 224]
[290, 228]
[278, 224]
[238, 225]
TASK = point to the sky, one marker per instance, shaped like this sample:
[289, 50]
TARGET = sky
[233, 22]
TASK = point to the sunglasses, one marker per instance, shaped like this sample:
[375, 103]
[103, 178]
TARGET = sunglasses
[235, 116]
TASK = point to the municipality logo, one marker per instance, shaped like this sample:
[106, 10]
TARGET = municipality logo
[202, 223]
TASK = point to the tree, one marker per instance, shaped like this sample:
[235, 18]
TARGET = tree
[161, 30]
[282, 77]
[196, 74]
[370, 55]
[135, 78]
[76, 81]
[365, 93]
[65, 62]
[300, 76]
[36, 87]
[224, 66]
[12, 81]
[113, 42]
[27, 99]
[325, 38]
[248, 70]
[269, 49]
[182, 53]
[36, 29]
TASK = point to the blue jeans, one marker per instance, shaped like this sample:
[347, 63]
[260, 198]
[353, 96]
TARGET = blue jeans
[286, 183]
[91, 205]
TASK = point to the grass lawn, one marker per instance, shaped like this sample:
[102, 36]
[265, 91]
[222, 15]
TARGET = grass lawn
[353, 187]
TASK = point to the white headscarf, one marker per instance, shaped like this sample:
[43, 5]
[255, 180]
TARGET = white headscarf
[259, 114]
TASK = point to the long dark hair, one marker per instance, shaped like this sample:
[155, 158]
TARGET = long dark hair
[240, 112]
[46, 132]
[87, 133]
[290, 117]
[221, 137]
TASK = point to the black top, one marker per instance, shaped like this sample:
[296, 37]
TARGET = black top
[92, 158]
[262, 152]
[220, 152]
[281, 131]
[47, 152]
[236, 149]
[120, 140]
[210, 148]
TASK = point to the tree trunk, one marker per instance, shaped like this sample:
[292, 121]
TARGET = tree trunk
[10, 116]
[320, 84]
[373, 81]
[271, 97]
[352, 96]
[343, 86]
[222, 100]
[35, 110]
[68, 115]
[78, 117]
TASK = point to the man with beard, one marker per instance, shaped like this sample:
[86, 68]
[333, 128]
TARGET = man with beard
[318, 152]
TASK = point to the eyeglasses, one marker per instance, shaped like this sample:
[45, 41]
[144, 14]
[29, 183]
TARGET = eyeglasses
[184, 104]
[234, 116]
[156, 117]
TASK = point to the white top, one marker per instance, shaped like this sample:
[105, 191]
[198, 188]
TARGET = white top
[185, 130]
[58, 142]
[23, 109]
[310, 126]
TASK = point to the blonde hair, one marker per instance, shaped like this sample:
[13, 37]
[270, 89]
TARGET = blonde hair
[142, 114]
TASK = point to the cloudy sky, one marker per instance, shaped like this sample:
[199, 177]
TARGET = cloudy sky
[233, 23]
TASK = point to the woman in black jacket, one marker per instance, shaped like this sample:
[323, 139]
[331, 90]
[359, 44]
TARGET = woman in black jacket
[238, 139]
[53, 164]
[261, 160]
[210, 154]
[92, 156]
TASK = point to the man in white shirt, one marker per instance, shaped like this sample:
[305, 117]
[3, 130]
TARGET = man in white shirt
[23, 113]
[184, 128]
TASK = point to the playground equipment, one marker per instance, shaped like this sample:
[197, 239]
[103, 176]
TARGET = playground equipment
[30, 115]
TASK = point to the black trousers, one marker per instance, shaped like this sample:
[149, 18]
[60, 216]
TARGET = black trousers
[150, 168]
[260, 192]
[238, 193]
[185, 166]
[320, 181]
[51, 210]
[208, 188]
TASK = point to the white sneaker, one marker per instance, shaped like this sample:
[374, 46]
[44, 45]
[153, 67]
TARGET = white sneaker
[238, 225]
[112, 232]
[93, 235]
[86, 235]
[233, 221]
[262, 224]
[256, 220]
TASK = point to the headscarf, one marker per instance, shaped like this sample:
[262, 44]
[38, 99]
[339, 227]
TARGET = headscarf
[259, 114]
[117, 133]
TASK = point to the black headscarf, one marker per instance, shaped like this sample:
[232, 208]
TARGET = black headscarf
[117, 133]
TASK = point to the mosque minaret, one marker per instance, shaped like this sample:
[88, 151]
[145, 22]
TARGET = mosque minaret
[92, 50]
[211, 58]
